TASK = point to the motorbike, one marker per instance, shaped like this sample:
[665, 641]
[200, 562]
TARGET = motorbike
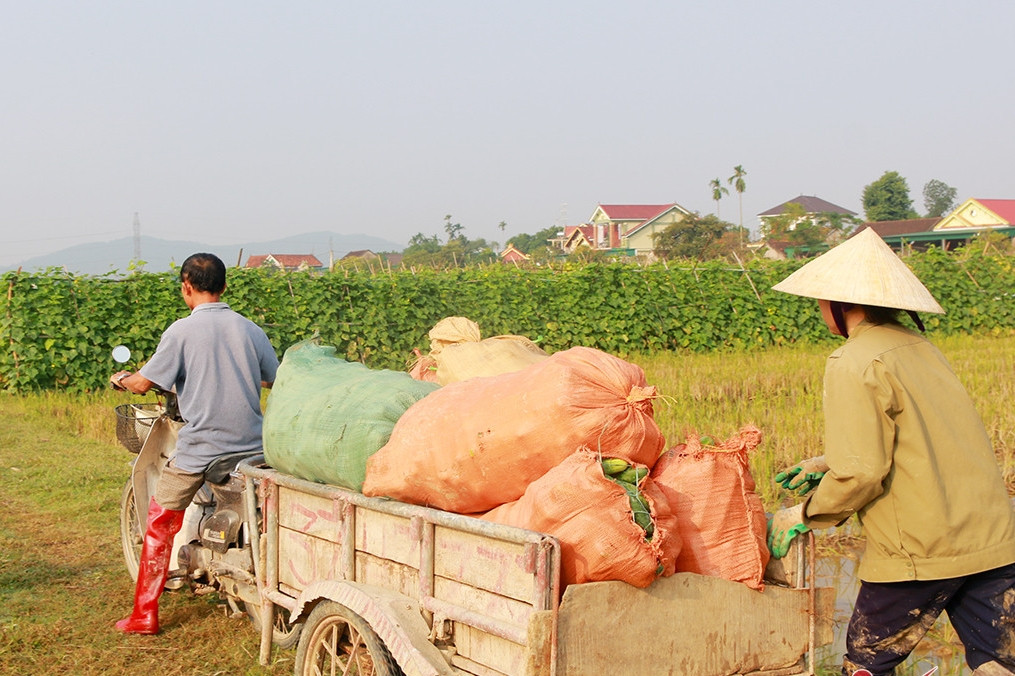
[215, 548]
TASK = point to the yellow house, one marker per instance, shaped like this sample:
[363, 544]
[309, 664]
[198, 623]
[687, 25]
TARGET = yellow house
[632, 226]
[969, 219]
[978, 214]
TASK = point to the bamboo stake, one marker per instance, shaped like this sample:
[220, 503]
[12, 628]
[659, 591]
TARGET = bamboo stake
[10, 297]
[744, 270]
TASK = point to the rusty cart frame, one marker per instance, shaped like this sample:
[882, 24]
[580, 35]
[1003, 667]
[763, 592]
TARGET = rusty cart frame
[449, 594]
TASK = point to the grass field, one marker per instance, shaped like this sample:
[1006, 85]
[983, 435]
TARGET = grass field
[63, 582]
[62, 579]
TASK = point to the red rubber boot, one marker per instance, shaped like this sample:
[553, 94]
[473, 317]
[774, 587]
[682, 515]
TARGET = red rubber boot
[153, 569]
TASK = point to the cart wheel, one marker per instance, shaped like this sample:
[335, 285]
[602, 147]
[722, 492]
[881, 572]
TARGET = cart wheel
[283, 634]
[131, 535]
[338, 641]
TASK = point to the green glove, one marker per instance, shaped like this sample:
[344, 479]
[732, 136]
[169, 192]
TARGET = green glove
[803, 476]
[785, 525]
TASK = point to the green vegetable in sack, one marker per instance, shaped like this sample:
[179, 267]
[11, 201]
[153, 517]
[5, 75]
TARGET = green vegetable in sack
[639, 508]
[614, 466]
[633, 475]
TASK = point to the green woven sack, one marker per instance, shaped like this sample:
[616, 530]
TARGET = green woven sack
[325, 416]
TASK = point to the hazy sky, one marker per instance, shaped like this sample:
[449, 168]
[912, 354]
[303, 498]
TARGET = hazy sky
[228, 121]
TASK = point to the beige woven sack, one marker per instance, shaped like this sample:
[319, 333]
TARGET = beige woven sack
[488, 357]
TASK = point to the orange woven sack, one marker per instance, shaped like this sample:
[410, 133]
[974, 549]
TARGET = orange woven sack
[477, 444]
[720, 516]
[591, 517]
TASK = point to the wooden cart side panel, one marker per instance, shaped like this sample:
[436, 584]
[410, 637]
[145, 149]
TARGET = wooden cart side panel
[378, 572]
[496, 654]
[387, 536]
[690, 623]
[307, 559]
[488, 655]
[499, 607]
[310, 514]
[504, 568]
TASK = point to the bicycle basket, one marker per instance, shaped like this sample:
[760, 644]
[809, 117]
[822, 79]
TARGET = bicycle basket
[134, 423]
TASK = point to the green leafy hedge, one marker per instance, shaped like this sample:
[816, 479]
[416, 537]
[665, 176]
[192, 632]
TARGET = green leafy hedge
[60, 328]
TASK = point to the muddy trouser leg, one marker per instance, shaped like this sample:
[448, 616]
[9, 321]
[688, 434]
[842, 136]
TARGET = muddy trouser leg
[889, 619]
[983, 615]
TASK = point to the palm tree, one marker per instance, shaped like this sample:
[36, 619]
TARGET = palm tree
[717, 192]
[737, 181]
[454, 230]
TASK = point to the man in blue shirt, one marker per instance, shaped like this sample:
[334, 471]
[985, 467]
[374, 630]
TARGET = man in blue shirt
[217, 361]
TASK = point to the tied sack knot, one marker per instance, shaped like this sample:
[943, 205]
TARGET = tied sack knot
[641, 397]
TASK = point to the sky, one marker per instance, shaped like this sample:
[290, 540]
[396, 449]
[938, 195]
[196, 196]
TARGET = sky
[223, 121]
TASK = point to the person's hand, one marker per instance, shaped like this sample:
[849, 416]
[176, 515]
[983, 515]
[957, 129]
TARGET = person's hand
[803, 476]
[116, 380]
[785, 525]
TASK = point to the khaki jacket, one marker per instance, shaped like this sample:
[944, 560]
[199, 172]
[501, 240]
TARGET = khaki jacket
[909, 455]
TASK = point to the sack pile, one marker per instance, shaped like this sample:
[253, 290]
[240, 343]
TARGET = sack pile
[563, 444]
[478, 443]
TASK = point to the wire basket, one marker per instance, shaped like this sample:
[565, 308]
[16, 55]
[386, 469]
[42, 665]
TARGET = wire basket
[134, 424]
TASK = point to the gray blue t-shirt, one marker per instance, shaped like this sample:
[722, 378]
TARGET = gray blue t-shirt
[216, 359]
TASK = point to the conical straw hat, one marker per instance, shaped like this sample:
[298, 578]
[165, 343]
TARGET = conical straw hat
[862, 270]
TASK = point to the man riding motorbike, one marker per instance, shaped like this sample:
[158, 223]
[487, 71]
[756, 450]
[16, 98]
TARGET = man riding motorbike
[217, 361]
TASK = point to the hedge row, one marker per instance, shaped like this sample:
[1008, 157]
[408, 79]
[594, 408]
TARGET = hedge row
[60, 328]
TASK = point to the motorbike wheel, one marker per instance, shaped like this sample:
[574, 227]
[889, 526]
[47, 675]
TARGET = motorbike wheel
[337, 640]
[131, 535]
[283, 634]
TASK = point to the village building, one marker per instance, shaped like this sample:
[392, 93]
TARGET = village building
[390, 260]
[626, 229]
[512, 255]
[286, 261]
[971, 218]
[632, 226]
[811, 205]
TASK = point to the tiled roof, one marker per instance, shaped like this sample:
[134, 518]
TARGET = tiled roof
[360, 253]
[811, 205]
[256, 261]
[586, 229]
[634, 212]
[286, 260]
[514, 253]
[1003, 208]
[896, 228]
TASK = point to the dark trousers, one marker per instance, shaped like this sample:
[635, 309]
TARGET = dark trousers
[890, 618]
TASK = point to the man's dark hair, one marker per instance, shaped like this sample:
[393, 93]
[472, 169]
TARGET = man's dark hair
[206, 272]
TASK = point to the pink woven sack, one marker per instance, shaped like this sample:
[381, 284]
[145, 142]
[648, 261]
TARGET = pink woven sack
[720, 516]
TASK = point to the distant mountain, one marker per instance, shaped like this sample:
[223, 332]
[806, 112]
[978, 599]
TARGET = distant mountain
[158, 254]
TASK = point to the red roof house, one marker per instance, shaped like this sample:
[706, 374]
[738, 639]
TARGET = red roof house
[512, 255]
[286, 261]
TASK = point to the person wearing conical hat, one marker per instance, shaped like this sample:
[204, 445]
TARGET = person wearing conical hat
[906, 451]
